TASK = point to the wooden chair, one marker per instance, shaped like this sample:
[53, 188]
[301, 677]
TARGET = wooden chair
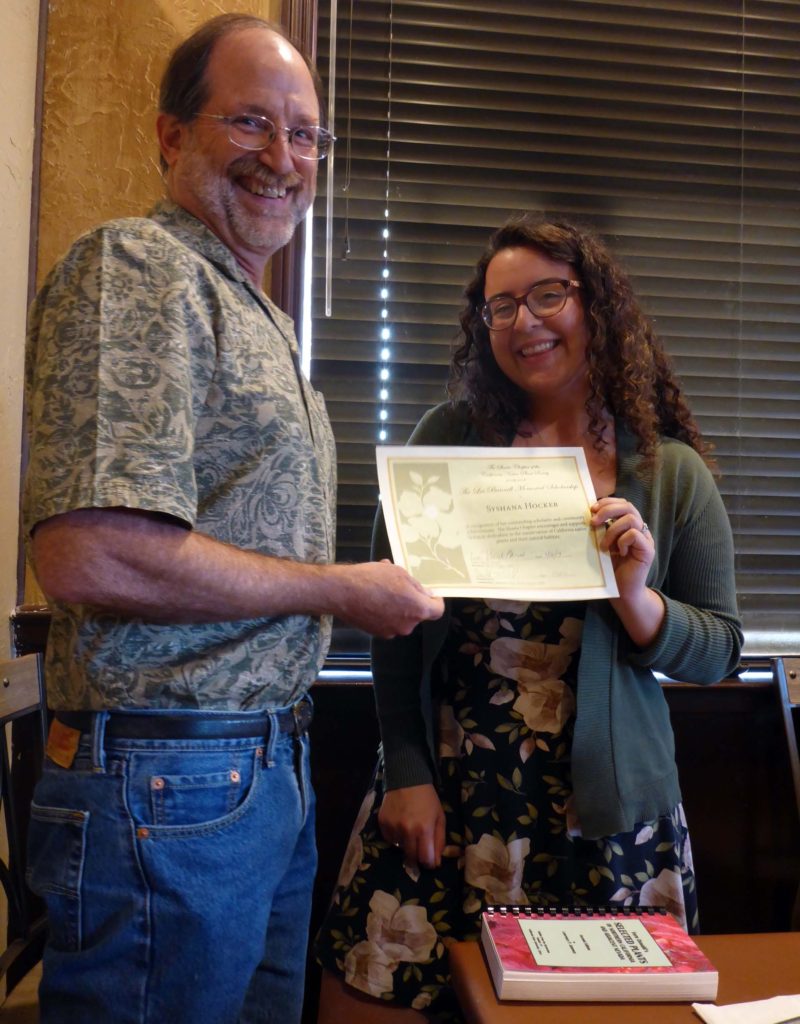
[787, 677]
[23, 738]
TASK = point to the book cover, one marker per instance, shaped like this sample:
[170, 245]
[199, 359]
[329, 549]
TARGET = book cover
[592, 955]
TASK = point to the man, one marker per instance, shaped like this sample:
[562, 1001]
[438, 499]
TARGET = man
[180, 505]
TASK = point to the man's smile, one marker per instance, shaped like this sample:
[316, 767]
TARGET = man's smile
[269, 186]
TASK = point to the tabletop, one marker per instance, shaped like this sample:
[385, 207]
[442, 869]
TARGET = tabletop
[750, 967]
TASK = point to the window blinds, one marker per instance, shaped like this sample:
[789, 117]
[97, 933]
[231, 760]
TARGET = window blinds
[672, 127]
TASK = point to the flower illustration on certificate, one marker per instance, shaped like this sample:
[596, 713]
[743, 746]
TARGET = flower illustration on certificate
[430, 532]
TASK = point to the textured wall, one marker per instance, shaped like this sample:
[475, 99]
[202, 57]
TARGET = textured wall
[19, 21]
[104, 60]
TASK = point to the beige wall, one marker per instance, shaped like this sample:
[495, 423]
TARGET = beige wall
[104, 59]
[103, 64]
[19, 20]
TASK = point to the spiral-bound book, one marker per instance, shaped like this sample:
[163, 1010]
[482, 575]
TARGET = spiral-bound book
[594, 955]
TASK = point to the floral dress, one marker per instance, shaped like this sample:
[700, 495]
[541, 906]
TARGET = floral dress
[506, 719]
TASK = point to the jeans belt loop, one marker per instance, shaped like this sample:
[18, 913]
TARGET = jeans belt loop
[99, 720]
[303, 711]
[272, 739]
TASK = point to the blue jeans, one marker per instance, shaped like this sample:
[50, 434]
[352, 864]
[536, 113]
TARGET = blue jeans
[177, 876]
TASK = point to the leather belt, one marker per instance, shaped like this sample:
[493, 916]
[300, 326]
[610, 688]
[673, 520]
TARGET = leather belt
[193, 725]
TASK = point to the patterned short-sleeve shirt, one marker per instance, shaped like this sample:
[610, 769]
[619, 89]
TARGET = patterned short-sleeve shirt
[159, 378]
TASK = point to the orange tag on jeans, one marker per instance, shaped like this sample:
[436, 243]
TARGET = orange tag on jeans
[62, 743]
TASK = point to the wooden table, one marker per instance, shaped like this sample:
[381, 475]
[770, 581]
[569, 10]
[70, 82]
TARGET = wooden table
[750, 967]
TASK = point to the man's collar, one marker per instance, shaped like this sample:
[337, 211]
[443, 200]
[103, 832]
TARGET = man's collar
[186, 227]
[194, 233]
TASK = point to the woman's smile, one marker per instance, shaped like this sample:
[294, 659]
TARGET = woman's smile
[538, 347]
[545, 357]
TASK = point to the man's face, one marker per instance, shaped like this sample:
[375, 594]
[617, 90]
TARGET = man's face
[251, 200]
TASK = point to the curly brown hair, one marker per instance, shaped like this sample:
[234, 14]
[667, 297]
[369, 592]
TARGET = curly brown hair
[630, 374]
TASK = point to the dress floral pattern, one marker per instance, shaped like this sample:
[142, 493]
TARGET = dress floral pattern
[506, 718]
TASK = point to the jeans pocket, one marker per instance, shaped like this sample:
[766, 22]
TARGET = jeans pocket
[191, 799]
[190, 791]
[56, 856]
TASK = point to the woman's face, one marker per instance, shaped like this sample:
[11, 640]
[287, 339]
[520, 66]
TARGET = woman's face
[546, 358]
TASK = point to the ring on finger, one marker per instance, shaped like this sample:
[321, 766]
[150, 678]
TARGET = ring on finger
[645, 528]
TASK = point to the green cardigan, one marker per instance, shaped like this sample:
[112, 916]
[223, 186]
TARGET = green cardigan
[623, 754]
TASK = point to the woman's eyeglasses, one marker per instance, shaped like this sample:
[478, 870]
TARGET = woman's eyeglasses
[544, 299]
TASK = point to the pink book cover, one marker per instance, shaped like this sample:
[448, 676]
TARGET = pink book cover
[603, 955]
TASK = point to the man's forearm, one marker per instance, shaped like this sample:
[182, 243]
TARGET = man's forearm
[134, 564]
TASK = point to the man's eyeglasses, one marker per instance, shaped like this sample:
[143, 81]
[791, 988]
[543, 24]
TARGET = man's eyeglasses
[544, 299]
[255, 132]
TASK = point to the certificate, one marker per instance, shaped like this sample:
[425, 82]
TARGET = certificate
[510, 523]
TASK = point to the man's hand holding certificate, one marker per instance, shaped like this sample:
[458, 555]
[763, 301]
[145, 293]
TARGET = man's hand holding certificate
[508, 523]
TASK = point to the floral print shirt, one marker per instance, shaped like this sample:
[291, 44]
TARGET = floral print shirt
[159, 378]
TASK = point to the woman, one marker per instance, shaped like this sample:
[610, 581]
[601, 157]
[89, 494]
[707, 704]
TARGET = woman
[527, 754]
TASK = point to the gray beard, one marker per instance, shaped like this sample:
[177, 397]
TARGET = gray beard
[218, 197]
[261, 232]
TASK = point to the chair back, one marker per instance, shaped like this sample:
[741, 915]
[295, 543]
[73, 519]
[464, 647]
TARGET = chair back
[786, 672]
[23, 738]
